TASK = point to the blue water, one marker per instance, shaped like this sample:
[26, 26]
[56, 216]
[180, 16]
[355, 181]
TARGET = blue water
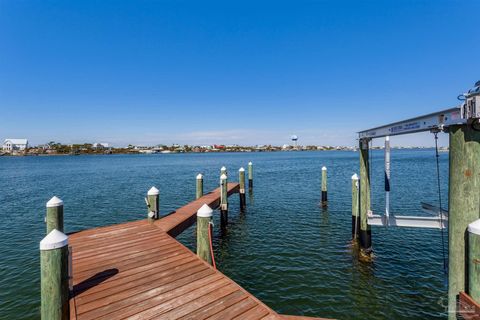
[286, 250]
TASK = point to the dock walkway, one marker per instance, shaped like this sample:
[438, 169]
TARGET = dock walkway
[137, 270]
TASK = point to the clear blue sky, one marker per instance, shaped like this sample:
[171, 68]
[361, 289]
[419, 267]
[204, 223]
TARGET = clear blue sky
[148, 72]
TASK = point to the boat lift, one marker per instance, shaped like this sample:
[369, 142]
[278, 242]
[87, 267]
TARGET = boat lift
[434, 122]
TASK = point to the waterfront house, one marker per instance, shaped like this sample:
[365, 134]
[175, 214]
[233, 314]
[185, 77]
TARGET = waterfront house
[100, 146]
[13, 145]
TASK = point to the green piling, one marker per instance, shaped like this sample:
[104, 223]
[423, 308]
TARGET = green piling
[355, 208]
[324, 187]
[241, 179]
[474, 260]
[153, 203]
[54, 217]
[464, 205]
[54, 277]
[199, 192]
[365, 231]
[223, 201]
[204, 218]
[250, 175]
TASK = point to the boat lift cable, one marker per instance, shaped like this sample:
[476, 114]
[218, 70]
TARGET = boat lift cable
[437, 156]
[210, 237]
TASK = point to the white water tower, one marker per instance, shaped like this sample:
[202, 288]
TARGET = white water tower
[294, 140]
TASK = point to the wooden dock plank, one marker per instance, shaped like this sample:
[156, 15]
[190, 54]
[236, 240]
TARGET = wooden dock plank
[137, 270]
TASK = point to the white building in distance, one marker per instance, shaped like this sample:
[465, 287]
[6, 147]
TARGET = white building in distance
[101, 145]
[11, 145]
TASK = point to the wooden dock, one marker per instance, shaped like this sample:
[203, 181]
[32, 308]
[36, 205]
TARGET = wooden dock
[137, 270]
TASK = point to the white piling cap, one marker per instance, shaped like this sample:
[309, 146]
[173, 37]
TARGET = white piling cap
[324, 168]
[199, 176]
[54, 202]
[387, 138]
[153, 192]
[205, 211]
[241, 169]
[223, 177]
[474, 227]
[223, 168]
[55, 239]
[355, 176]
[250, 163]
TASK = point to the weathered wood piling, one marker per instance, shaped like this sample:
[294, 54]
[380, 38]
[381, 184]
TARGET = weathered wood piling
[474, 260]
[250, 175]
[365, 231]
[324, 187]
[54, 276]
[54, 217]
[199, 186]
[241, 180]
[464, 204]
[153, 203]
[204, 219]
[355, 208]
[223, 202]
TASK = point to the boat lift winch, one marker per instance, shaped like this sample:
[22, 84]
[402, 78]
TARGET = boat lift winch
[434, 122]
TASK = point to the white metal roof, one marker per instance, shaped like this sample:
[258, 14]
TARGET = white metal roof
[16, 141]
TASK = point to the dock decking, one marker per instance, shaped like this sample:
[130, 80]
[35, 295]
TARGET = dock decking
[137, 270]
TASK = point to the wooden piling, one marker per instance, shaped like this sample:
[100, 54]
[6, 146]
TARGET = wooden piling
[223, 170]
[54, 276]
[355, 208]
[199, 191]
[474, 260]
[324, 187]
[204, 218]
[223, 202]
[464, 204]
[153, 200]
[54, 218]
[241, 179]
[365, 231]
[250, 175]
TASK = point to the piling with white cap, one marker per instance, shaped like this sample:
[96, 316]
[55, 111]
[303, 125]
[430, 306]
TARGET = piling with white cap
[54, 276]
[474, 260]
[223, 170]
[204, 218]
[153, 203]
[223, 201]
[250, 175]
[355, 207]
[199, 191]
[54, 217]
[241, 179]
[324, 186]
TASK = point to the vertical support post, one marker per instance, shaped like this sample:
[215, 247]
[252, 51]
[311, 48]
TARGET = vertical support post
[464, 205]
[54, 276]
[365, 231]
[241, 179]
[324, 186]
[387, 176]
[54, 217]
[250, 175]
[223, 170]
[199, 191]
[204, 219]
[474, 260]
[153, 203]
[223, 201]
[355, 207]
